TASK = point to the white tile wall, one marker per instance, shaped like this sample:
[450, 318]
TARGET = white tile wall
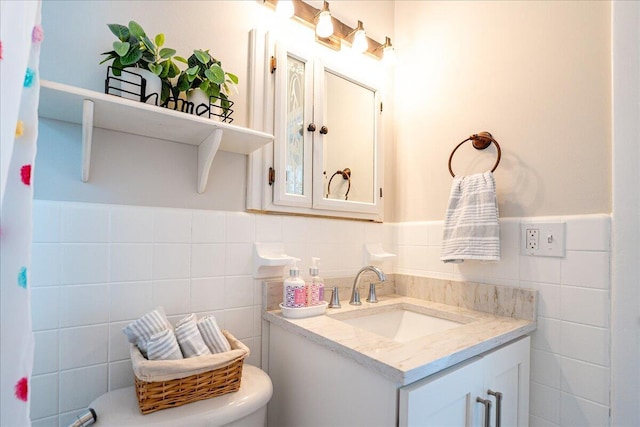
[96, 267]
[570, 349]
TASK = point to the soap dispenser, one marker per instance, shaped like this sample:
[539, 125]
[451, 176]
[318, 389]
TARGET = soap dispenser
[294, 290]
[315, 288]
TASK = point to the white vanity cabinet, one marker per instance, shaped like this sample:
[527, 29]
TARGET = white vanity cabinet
[317, 386]
[461, 395]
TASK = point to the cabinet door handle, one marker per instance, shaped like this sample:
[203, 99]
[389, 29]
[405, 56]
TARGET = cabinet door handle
[311, 127]
[487, 410]
[498, 397]
[324, 130]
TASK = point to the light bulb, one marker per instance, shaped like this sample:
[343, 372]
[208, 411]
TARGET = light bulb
[325, 26]
[388, 52]
[360, 43]
[284, 9]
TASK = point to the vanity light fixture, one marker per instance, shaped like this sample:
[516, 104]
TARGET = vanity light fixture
[388, 52]
[324, 27]
[331, 31]
[360, 43]
[284, 9]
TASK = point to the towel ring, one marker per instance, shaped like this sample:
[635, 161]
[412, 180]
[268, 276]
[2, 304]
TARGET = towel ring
[346, 175]
[480, 141]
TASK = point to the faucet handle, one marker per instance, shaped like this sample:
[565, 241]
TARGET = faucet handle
[372, 293]
[335, 298]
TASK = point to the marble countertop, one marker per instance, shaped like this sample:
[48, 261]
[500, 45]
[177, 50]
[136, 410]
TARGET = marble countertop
[404, 363]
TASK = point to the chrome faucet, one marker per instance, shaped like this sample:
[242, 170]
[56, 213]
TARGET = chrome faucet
[355, 293]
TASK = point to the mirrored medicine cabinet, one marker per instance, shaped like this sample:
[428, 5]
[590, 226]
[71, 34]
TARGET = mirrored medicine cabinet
[325, 114]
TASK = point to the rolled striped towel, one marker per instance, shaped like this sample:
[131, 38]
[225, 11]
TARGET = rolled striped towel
[471, 227]
[189, 337]
[163, 346]
[212, 335]
[141, 330]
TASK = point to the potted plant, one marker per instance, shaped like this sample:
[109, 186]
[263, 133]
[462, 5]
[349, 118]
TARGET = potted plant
[205, 77]
[137, 53]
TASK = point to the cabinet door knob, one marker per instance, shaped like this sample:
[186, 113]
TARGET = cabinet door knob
[487, 410]
[311, 127]
[498, 397]
[324, 130]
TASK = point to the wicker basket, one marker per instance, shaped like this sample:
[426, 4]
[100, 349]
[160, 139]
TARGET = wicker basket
[156, 395]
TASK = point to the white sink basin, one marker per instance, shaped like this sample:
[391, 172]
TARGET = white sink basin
[400, 324]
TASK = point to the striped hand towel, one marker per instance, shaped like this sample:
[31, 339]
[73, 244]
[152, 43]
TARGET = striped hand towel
[163, 346]
[189, 337]
[471, 227]
[212, 335]
[141, 330]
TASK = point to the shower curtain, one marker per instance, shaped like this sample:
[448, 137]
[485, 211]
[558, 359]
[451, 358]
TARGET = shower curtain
[20, 37]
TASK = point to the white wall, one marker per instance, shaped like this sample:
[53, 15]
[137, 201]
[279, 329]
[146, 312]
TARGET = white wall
[570, 360]
[534, 74]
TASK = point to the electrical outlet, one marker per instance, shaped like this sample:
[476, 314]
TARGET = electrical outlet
[533, 239]
[542, 239]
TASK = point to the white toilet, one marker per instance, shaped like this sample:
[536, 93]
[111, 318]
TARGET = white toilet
[245, 408]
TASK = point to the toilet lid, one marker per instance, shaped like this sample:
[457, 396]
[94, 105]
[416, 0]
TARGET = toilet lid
[119, 408]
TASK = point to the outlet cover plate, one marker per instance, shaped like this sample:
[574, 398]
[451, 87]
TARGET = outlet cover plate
[551, 238]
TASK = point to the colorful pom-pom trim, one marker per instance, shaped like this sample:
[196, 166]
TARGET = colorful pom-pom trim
[22, 278]
[19, 128]
[22, 389]
[29, 77]
[0, 49]
[25, 174]
[37, 35]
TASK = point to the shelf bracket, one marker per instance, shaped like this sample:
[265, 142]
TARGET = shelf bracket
[87, 137]
[206, 153]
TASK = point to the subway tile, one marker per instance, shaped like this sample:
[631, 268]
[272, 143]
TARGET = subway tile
[240, 227]
[434, 264]
[546, 337]
[257, 321]
[45, 422]
[255, 351]
[45, 354]
[585, 380]
[588, 233]
[130, 300]
[268, 228]
[413, 234]
[171, 261]
[545, 402]
[540, 269]
[130, 262]
[82, 223]
[577, 412]
[84, 305]
[238, 259]
[208, 260]
[586, 343]
[586, 269]
[373, 233]
[131, 225]
[295, 229]
[549, 304]
[545, 368]
[470, 270]
[415, 257]
[583, 305]
[207, 294]
[238, 291]
[172, 226]
[318, 230]
[80, 387]
[507, 268]
[44, 395]
[120, 374]
[84, 263]
[83, 346]
[208, 227]
[173, 295]
[45, 305]
[435, 230]
[343, 231]
[118, 344]
[47, 221]
[239, 321]
[510, 233]
[45, 265]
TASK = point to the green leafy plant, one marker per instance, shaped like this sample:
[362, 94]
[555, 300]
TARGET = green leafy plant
[134, 49]
[206, 73]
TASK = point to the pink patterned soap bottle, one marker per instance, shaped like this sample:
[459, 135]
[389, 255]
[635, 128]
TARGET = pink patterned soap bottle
[294, 290]
[315, 288]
